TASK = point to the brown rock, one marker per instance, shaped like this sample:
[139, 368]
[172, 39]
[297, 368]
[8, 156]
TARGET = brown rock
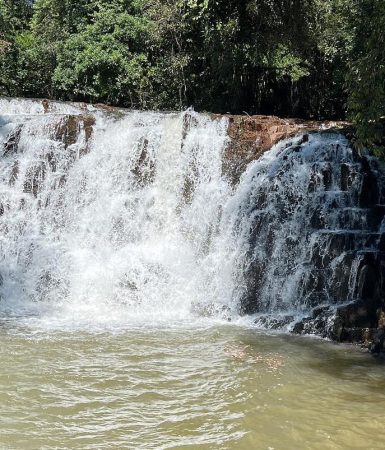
[88, 123]
[251, 136]
[45, 104]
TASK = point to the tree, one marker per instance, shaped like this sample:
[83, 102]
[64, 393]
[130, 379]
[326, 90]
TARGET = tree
[14, 20]
[366, 80]
[108, 59]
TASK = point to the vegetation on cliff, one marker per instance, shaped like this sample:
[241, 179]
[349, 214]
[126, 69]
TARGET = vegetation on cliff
[305, 58]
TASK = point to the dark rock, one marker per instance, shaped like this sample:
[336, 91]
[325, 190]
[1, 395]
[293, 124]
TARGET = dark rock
[34, 178]
[345, 182]
[381, 245]
[144, 169]
[14, 173]
[321, 322]
[274, 322]
[369, 195]
[346, 245]
[377, 345]
[356, 315]
[12, 142]
[327, 177]
[376, 215]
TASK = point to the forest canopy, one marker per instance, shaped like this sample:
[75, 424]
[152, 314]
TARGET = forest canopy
[305, 58]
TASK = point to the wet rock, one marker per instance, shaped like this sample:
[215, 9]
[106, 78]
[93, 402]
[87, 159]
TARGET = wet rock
[377, 344]
[369, 195]
[376, 215]
[12, 142]
[14, 173]
[356, 315]
[360, 321]
[88, 124]
[327, 177]
[321, 322]
[46, 106]
[34, 178]
[381, 245]
[344, 261]
[144, 169]
[371, 278]
[68, 129]
[272, 322]
[345, 180]
[189, 121]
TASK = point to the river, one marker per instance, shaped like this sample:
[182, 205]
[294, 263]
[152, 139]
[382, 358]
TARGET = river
[196, 386]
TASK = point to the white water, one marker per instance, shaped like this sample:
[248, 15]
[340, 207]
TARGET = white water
[127, 232]
[139, 225]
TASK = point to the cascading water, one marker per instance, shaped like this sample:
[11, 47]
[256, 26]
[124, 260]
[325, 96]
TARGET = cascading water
[127, 217]
[123, 224]
[307, 228]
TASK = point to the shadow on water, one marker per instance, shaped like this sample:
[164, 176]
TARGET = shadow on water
[341, 361]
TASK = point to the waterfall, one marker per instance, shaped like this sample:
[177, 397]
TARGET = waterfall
[306, 227]
[128, 217]
[121, 223]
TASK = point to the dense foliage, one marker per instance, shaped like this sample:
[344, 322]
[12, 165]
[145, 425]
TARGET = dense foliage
[308, 58]
[366, 77]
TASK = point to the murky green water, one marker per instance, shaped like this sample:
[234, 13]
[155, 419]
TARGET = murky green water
[222, 387]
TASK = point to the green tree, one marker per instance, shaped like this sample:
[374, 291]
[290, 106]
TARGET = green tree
[366, 79]
[14, 20]
[108, 59]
